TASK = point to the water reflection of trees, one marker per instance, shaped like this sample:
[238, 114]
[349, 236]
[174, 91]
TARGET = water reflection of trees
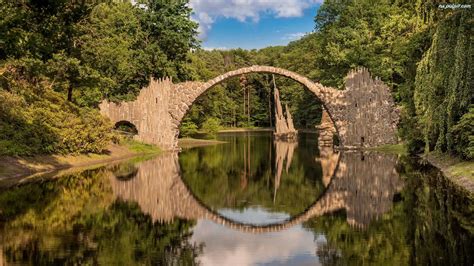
[431, 224]
[76, 220]
[362, 184]
[255, 162]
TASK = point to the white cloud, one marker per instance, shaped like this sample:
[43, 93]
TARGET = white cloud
[206, 11]
[294, 36]
[225, 246]
[207, 48]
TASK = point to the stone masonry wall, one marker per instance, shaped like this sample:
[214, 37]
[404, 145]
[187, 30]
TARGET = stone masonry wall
[370, 115]
[149, 113]
[364, 113]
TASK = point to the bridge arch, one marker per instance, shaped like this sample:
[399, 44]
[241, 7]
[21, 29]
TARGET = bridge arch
[329, 97]
[364, 113]
[126, 127]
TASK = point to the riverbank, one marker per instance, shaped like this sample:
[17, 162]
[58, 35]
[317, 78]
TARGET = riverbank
[12, 167]
[187, 143]
[245, 129]
[459, 171]
[260, 129]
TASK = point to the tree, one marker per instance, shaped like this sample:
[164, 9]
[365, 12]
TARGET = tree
[444, 86]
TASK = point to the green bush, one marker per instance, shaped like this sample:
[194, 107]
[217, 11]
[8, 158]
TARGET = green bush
[211, 126]
[187, 129]
[46, 123]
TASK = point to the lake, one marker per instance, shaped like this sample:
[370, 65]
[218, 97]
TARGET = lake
[250, 201]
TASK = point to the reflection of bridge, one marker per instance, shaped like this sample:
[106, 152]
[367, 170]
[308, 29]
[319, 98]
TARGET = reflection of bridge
[363, 185]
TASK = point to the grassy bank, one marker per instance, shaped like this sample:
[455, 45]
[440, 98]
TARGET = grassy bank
[12, 167]
[459, 171]
[140, 147]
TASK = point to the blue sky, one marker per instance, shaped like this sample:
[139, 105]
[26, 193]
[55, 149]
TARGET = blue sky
[250, 24]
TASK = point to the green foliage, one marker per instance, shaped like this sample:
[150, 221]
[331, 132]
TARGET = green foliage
[188, 128]
[225, 101]
[211, 126]
[140, 147]
[42, 127]
[361, 33]
[463, 134]
[78, 218]
[444, 86]
[100, 49]
[35, 119]
[422, 52]
[81, 52]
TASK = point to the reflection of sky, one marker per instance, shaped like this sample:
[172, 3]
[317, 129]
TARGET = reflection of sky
[224, 246]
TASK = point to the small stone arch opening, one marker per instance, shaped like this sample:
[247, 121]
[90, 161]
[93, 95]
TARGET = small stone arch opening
[126, 129]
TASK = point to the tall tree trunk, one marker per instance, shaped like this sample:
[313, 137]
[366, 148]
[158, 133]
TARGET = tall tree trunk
[245, 101]
[248, 107]
[69, 94]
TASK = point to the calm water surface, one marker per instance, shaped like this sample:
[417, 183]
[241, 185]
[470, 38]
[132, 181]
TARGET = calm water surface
[251, 201]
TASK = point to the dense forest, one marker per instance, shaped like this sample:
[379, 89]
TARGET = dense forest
[59, 59]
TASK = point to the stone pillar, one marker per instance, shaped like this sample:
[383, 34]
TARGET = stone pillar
[326, 130]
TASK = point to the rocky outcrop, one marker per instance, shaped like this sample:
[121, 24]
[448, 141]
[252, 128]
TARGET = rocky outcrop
[284, 128]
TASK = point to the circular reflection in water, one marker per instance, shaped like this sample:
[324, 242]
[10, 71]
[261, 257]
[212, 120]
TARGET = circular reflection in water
[252, 179]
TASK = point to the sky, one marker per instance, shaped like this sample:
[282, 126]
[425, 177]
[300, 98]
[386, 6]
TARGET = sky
[252, 24]
[226, 246]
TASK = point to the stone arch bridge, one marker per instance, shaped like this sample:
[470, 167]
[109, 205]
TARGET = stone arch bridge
[364, 113]
[362, 186]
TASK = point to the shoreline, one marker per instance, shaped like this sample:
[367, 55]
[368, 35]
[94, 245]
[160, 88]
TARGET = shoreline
[14, 169]
[461, 173]
[245, 129]
[261, 129]
[188, 143]
[17, 168]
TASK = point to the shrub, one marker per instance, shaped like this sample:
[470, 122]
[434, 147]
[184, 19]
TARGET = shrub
[31, 125]
[188, 128]
[211, 126]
